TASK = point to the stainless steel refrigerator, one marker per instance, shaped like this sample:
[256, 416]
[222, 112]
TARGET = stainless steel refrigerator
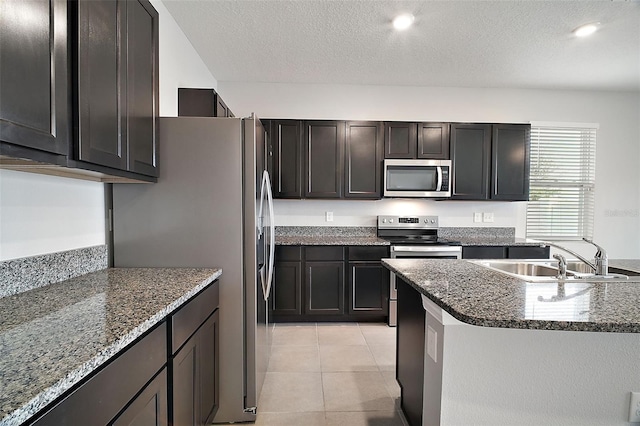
[211, 207]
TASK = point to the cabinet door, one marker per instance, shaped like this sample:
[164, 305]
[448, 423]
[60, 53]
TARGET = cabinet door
[34, 108]
[209, 357]
[400, 139]
[324, 288]
[363, 159]
[100, 92]
[221, 108]
[287, 289]
[149, 408]
[142, 87]
[195, 376]
[483, 252]
[510, 162]
[368, 288]
[433, 140]
[470, 149]
[286, 136]
[323, 163]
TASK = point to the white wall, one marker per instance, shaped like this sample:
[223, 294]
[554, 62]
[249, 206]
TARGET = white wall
[617, 212]
[44, 214]
[180, 65]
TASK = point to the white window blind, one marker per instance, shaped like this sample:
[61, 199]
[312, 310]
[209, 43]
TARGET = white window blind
[562, 183]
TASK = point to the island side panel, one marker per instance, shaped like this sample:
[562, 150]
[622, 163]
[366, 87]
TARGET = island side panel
[410, 353]
[495, 376]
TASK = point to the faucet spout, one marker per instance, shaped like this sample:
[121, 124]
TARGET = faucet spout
[577, 256]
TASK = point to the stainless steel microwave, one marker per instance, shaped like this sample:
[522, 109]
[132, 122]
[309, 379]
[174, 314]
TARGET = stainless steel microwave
[417, 178]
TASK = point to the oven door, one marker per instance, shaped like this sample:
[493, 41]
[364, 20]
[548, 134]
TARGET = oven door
[418, 251]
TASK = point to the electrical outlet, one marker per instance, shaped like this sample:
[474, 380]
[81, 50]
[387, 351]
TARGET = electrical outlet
[634, 408]
[477, 217]
[487, 217]
[328, 216]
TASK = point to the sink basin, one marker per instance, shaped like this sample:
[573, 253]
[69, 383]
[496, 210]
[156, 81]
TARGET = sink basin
[529, 269]
[547, 270]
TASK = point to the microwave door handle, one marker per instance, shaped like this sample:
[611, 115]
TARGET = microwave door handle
[439, 187]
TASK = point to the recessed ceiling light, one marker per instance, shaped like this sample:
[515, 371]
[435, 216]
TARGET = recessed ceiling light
[586, 29]
[402, 22]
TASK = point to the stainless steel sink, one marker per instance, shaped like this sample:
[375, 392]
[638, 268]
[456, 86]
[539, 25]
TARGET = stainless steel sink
[546, 270]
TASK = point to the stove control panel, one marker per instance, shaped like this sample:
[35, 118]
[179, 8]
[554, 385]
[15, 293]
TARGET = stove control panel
[411, 222]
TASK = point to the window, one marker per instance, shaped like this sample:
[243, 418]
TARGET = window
[562, 182]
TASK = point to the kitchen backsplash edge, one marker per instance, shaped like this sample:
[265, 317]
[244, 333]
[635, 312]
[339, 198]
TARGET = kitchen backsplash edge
[28, 273]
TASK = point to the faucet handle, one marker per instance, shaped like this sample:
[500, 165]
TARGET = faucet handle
[601, 253]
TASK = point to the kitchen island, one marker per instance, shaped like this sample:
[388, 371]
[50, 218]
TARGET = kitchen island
[55, 337]
[479, 347]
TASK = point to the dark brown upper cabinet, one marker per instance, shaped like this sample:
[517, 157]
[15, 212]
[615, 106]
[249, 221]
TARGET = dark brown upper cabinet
[101, 107]
[285, 140]
[490, 162]
[117, 85]
[510, 154]
[433, 141]
[363, 159]
[470, 152]
[201, 103]
[34, 105]
[142, 88]
[416, 140]
[323, 158]
[400, 139]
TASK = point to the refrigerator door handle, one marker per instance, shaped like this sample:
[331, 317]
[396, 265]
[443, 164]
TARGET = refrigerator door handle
[272, 235]
[267, 275]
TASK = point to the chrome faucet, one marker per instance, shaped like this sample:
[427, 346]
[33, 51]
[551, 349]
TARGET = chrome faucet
[601, 261]
[562, 266]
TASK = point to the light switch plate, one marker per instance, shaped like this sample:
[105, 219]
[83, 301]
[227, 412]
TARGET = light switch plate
[328, 216]
[477, 217]
[487, 217]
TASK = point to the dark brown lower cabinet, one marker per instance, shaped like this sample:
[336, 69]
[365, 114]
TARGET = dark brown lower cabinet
[114, 393]
[324, 288]
[195, 373]
[368, 288]
[330, 283]
[195, 360]
[410, 352]
[150, 407]
[505, 252]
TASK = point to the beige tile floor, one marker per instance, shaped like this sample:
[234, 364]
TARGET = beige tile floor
[331, 374]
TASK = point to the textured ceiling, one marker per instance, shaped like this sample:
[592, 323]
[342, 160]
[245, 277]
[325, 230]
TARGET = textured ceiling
[509, 43]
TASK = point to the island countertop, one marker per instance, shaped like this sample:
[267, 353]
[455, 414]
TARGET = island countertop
[54, 336]
[479, 296]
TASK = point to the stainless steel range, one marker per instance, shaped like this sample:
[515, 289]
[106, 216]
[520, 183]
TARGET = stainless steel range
[413, 237]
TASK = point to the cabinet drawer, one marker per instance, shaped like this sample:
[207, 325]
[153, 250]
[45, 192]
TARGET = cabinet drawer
[103, 396]
[189, 317]
[368, 252]
[288, 253]
[324, 253]
[525, 252]
[483, 252]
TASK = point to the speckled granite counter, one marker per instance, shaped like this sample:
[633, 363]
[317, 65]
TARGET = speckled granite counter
[479, 296]
[367, 236]
[328, 236]
[54, 336]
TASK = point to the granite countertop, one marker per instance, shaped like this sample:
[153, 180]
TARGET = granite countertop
[479, 296]
[367, 236]
[329, 240]
[54, 336]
